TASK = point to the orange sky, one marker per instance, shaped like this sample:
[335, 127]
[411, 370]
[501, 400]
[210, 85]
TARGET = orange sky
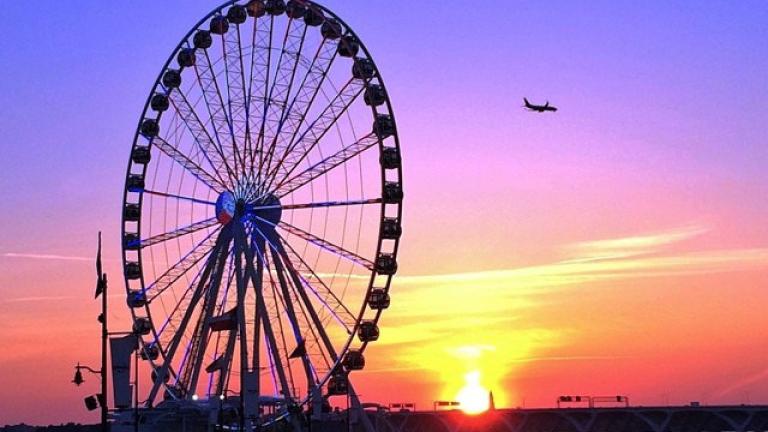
[647, 316]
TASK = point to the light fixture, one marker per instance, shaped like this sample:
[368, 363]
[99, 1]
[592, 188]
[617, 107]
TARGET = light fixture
[78, 379]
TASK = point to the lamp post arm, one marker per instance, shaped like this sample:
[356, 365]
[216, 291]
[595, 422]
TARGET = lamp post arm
[89, 369]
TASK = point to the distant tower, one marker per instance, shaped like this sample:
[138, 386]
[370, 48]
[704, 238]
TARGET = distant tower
[491, 404]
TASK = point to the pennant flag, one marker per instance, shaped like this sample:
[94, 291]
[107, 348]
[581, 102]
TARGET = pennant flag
[227, 321]
[98, 259]
[300, 351]
[217, 364]
[101, 278]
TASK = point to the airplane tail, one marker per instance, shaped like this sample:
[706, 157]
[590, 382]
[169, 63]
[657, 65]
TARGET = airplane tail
[526, 102]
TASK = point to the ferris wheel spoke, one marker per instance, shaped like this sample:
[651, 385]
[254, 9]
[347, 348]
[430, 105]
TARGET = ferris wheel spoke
[307, 92]
[221, 243]
[160, 336]
[180, 268]
[326, 245]
[302, 146]
[178, 197]
[265, 93]
[314, 205]
[188, 164]
[170, 235]
[285, 74]
[298, 267]
[238, 110]
[210, 150]
[223, 132]
[319, 204]
[326, 165]
[257, 82]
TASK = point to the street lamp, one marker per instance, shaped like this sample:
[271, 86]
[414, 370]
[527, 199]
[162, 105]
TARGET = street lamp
[78, 379]
[94, 401]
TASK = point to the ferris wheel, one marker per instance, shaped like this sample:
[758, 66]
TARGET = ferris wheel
[262, 210]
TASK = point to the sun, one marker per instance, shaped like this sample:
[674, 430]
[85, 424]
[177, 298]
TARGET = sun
[473, 397]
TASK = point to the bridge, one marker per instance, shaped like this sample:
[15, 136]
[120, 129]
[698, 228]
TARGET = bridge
[741, 418]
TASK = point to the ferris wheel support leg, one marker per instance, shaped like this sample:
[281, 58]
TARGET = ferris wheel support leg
[257, 289]
[165, 368]
[357, 409]
[305, 298]
[249, 388]
[209, 305]
[356, 406]
[262, 310]
[279, 269]
[229, 351]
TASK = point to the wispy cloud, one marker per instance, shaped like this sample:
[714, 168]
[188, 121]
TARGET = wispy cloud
[39, 299]
[32, 299]
[45, 256]
[492, 320]
[618, 258]
[632, 246]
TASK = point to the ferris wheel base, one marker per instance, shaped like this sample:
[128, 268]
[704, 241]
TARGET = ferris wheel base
[206, 416]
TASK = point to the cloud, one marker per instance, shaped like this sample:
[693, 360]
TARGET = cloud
[46, 257]
[619, 258]
[50, 298]
[500, 320]
[632, 246]
[40, 298]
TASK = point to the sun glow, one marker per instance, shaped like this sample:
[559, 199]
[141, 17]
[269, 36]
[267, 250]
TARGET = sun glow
[473, 396]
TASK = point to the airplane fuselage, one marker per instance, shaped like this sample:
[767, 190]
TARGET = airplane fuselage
[539, 108]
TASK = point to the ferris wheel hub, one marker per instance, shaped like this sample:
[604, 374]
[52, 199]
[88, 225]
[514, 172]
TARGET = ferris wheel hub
[265, 210]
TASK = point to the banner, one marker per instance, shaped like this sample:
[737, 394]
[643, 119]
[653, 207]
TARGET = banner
[122, 349]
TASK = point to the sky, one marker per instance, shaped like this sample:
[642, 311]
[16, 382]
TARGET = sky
[617, 246]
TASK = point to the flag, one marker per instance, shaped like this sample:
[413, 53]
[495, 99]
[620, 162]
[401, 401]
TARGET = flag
[101, 278]
[217, 364]
[300, 351]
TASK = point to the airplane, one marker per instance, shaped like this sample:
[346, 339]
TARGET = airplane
[539, 108]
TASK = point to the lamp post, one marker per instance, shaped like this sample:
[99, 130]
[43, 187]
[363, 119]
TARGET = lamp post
[101, 290]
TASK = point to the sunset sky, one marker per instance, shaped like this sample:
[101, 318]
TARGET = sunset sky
[618, 246]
